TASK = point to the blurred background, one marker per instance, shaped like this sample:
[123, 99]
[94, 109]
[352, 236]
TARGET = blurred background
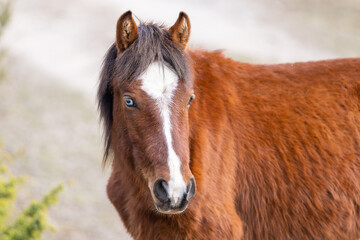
[51, 55]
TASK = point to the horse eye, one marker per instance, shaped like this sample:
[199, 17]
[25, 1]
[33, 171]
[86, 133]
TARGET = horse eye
[191, 98]
[129, 102]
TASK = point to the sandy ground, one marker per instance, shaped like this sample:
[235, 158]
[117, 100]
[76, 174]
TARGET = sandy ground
[54, 52]
[58, 131]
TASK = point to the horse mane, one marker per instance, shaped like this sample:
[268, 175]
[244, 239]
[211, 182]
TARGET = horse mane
[154, 43]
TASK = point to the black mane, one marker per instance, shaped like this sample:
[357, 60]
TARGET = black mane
[153, 43]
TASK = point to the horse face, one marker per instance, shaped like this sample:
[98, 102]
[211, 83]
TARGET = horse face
[153, 109]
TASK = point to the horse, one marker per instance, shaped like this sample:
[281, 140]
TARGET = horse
[262, 151]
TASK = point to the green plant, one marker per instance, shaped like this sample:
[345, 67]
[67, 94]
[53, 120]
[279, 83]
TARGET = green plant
[4, 19]
[4, 15]
[33, 220]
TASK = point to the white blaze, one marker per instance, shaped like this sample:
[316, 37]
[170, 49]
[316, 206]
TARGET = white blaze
[159, 82]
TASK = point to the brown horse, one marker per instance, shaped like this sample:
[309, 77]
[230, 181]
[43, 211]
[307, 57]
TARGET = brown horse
[274, 149]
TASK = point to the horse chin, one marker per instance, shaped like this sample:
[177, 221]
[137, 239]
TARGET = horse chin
[170, 211]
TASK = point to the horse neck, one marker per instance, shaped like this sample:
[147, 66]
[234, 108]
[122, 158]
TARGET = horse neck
[215, 117]
[217, 83]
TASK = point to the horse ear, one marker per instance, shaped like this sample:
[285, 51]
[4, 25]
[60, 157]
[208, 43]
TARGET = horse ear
[126, 31]
[180, 31]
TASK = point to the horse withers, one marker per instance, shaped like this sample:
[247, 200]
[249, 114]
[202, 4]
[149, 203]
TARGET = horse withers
[264, 152]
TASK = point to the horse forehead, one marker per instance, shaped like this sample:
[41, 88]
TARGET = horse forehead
[159, 81]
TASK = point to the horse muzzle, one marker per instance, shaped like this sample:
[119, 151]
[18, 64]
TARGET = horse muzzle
[167, 204]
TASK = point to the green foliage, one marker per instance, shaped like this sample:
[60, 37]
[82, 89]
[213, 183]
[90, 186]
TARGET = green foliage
[4, 15]
[4, 19]
[32, 221]
[7, 187]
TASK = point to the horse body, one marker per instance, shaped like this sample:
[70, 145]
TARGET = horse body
[279, 144]
[274, 150]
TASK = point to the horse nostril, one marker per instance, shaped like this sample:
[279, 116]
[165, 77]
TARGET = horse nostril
[191, 189]
[161, 190]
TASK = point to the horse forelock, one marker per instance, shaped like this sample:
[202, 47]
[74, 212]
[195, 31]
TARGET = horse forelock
[153, 44]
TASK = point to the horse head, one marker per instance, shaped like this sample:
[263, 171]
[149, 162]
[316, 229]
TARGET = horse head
[144, 98]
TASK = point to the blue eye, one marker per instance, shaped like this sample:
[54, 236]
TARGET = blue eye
[129, 102]
[191, 98]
